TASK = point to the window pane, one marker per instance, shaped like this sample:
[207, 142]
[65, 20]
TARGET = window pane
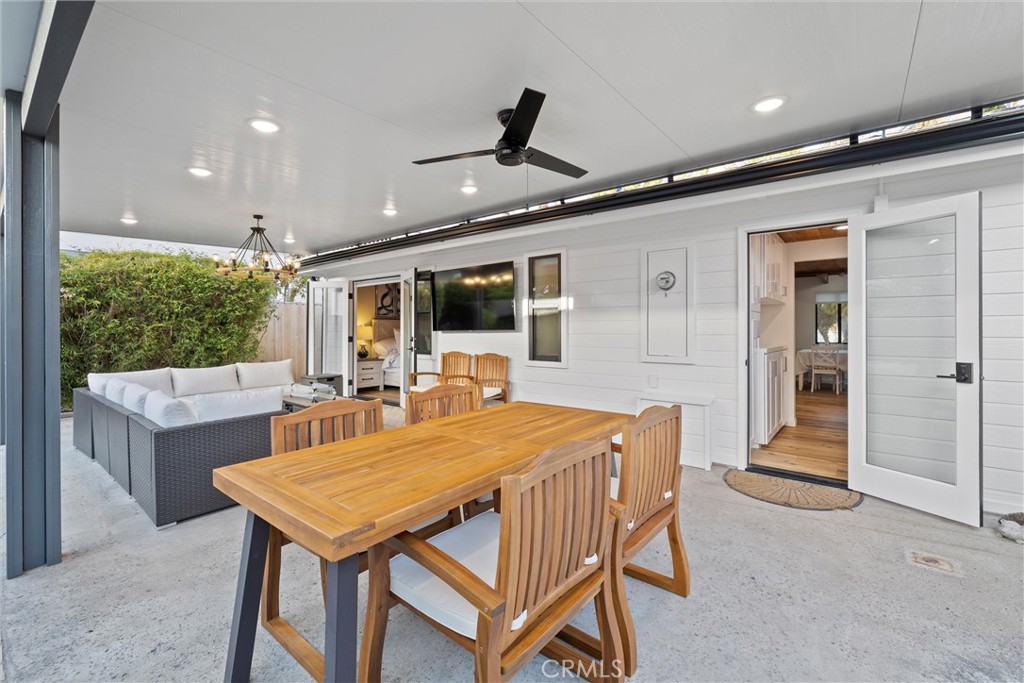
[842, 323]
[827, 323]
[545, 277]
[423, 319]
[546, 335]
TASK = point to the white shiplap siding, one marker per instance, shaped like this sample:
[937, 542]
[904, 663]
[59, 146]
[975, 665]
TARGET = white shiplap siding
[603, 271]
[1002, 347]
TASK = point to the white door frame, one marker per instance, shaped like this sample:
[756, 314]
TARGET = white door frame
[961, 501]
[743, 232]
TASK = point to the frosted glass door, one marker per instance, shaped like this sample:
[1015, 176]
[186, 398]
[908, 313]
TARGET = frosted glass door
[914, 372]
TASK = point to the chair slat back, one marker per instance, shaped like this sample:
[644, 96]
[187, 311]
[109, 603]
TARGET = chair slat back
[650, 464]
[325, 422]
[490, 367]
[441, 401]
[554, 529]
[456, 364]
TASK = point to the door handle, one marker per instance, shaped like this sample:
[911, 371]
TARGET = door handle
[964, 374]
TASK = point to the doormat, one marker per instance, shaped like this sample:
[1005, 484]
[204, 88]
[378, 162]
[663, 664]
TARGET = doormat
[790, 492]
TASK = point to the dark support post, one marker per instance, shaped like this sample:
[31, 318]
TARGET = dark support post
[31, 342]
[342, 616]
[30, 318]
[247, 599]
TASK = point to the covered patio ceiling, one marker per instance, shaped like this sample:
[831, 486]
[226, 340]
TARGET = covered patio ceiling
[362, 89]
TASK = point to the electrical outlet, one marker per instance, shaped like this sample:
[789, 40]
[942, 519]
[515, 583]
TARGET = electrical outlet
[652, 381]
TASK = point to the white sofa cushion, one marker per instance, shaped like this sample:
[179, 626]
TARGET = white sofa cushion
[154, 379]
[474, 544]
[258, 375]
[114, 389]
[192, 381]
[167, 411]
[135, 397]
[238, 403]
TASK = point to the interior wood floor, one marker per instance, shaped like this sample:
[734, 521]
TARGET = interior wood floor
[390, 395]
[817, 445]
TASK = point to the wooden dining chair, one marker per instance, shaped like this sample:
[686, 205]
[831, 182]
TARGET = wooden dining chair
[441, 401]
[648, 490]
[491, 372]
[321, 423]
[502, 585]
[455, 369]
[825, 364]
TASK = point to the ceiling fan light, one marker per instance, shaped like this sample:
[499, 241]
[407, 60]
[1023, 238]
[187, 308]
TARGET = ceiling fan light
[771, 103]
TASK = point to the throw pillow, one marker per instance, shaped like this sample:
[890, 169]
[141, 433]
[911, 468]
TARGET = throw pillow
[167, 411]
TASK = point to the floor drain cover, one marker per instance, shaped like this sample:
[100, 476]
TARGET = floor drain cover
[931, 561]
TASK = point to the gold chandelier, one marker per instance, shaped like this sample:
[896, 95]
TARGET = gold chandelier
[257, 259]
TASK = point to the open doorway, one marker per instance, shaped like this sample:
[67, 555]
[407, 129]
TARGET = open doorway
[377, 366]
[798, 341]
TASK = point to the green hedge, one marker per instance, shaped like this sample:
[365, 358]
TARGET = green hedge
[139, 310]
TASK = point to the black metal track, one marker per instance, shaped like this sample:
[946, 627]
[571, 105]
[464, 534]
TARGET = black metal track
[797, 476]
[972, 134]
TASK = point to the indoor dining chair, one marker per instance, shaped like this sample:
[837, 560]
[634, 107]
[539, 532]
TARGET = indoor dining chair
[502, 586]
[648, 490]
[825, 364]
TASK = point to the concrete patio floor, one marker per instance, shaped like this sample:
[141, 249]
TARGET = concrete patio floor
[778, 595]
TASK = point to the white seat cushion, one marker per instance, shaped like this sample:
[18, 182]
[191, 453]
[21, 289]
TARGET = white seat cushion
[192, 381]
[258, 375]
[230, 404]
[134, 398]
[474, 544]
[615, 488]
[167, 411]
[114, 389]
[491, 392]
[154, 379]
[430, 521]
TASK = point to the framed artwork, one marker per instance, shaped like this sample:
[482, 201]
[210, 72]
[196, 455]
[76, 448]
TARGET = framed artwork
[387, 301]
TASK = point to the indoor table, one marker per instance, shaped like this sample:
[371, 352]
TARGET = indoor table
[341, 498]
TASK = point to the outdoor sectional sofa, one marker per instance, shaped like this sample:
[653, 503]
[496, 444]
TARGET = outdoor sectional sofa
[160, 433]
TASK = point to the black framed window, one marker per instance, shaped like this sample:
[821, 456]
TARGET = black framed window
[830, 325]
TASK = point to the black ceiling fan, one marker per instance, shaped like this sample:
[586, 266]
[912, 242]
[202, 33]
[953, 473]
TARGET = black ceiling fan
[511, 149]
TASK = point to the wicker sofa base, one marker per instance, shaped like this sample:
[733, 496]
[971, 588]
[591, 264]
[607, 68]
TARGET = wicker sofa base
[167, 470]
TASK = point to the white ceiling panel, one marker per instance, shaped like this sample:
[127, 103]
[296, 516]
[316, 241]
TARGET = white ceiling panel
[362, 89]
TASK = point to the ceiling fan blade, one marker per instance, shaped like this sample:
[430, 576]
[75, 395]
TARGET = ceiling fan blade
[520, 126]
[453, 157]
[535, 157]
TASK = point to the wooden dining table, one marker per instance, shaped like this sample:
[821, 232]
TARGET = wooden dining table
[341, 498]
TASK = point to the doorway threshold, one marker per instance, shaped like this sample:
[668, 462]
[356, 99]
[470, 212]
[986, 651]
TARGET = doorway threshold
[798, 476]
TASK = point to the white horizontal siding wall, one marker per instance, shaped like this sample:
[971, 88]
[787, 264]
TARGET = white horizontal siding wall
[1002, 347]
[603, 261]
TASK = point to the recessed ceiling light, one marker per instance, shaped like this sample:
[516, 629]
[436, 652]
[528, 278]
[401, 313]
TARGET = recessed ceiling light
[200, 172]
[768, 104]
[289, 240]
[390, 212]
[841, 228]
[469, 189]
[264, 125]
[129, 221]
